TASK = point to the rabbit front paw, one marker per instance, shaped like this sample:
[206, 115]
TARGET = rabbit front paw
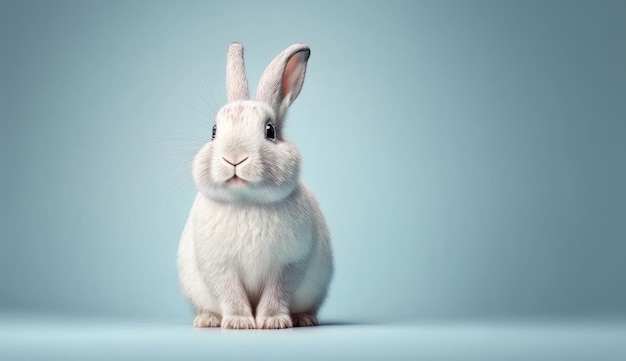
[238, 322]
[274, 322]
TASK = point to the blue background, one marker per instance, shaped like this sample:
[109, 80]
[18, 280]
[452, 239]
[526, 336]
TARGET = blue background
[468, 155]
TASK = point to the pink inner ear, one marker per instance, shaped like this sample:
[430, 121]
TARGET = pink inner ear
[288, 81]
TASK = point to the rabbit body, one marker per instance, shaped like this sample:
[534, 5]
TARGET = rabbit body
[264, 252]
[255, 251]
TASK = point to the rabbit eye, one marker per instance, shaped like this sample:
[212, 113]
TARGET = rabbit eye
[270, 133]
[214, 130]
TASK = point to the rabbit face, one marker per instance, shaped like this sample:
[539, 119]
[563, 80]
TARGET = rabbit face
[247, 161]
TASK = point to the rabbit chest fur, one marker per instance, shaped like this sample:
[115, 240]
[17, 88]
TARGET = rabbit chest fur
[255, 242]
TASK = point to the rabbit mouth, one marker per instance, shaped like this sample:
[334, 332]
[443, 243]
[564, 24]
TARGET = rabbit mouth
[235, 180]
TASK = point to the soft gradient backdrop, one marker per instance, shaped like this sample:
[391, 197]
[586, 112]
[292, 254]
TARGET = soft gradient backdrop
[469, 155]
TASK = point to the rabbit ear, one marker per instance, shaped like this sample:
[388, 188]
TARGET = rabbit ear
[236, 80]
[283, 78]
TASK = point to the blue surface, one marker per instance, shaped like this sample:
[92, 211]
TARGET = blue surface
[468, 155]
[44, 338]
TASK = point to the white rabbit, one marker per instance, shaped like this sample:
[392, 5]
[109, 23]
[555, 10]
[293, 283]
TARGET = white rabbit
[255, 251]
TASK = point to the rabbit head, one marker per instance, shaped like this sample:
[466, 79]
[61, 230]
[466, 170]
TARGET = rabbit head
[248, 160]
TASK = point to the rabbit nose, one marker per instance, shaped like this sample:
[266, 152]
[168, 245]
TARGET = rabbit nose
[236, 162]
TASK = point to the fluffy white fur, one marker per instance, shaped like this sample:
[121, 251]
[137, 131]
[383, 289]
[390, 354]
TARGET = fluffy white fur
[255, 251]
